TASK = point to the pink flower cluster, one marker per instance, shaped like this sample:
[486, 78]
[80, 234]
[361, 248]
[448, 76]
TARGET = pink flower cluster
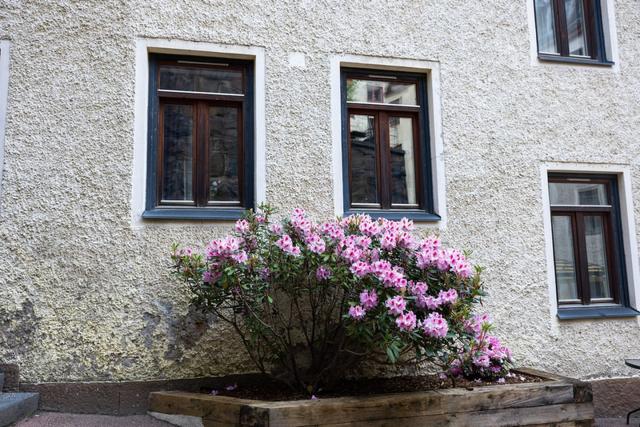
[315, 243]
[364, 243]
[396, 305]
[432, 303]
[490, 354]
[286, 245]
[300, 222]
[357, 312]
[323, 273]
[477, 323]
[430, 255]
[435, 325]
[302, 227]
[487, 357]
[211, 276]
[406, 321]
[242, 226]
[368, 301]
[225, 249]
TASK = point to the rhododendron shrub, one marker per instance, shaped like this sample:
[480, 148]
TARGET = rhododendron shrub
[312, 300]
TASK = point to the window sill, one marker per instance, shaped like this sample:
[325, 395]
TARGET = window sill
[206, 214]
[596, 313]
[419, 216]
[572, 60]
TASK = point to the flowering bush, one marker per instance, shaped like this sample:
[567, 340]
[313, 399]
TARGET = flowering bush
[310, 301]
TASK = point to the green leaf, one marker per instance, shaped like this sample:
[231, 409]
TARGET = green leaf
[391, 355]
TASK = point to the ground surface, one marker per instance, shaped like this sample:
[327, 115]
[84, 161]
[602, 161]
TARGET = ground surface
[55, 419]
[616, 422]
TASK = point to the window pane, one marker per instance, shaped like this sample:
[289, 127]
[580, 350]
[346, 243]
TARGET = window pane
[224, 184]
[563, 255]
[363, 159]
[381, 92]
[403, 172]
[597, 257]
[576, 27]
[569, 193]
[546, 28]
[177, 168]
[200, 79]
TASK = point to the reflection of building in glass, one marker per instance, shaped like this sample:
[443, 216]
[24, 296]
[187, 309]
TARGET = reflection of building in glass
[403, 177]
[398, 175]
[363, 160]
[564, 258]
[596, 257]
[575, 25]
[178, 153]
[223, 154]
[578, 194]
[378, 91]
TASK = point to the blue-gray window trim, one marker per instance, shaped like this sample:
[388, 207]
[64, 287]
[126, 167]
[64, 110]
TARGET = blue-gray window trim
[427, 214]
[152, 210]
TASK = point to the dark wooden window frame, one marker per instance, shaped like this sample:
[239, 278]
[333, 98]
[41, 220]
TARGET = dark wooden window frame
[594, 30]
[422, 146]
[585, 308]
[200, 209]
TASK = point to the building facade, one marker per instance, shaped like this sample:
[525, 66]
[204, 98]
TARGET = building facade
[510, 128]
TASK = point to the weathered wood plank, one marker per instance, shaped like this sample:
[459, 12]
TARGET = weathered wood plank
[485, 398]
[337, 410]
[256, 417]
[581, 389]
[565, 401]
[215, 408]
[582, 423]
[563, 415]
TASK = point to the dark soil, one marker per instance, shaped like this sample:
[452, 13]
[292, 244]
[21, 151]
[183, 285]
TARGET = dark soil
[271, 390]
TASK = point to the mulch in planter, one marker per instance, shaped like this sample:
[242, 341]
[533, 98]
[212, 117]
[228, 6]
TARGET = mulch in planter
[266, 388]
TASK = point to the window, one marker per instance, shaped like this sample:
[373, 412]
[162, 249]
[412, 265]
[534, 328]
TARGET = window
[587, 245]
[386, 145]
[570, 31]
[200, 157]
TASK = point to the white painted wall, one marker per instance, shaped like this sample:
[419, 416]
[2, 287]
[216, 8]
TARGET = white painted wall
[83, 280]
[5, 48]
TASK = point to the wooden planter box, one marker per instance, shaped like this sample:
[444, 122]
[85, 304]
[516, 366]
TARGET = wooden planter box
[557, 401]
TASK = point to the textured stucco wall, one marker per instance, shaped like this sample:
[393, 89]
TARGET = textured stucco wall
[86, 296]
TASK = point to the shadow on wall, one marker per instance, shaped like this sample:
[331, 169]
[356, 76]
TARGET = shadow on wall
[17, 332]
[182, 331]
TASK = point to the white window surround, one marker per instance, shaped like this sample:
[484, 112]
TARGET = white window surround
[623, 173]
[610, 39]
[431, 69]
[181, 47]
[5, 50]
